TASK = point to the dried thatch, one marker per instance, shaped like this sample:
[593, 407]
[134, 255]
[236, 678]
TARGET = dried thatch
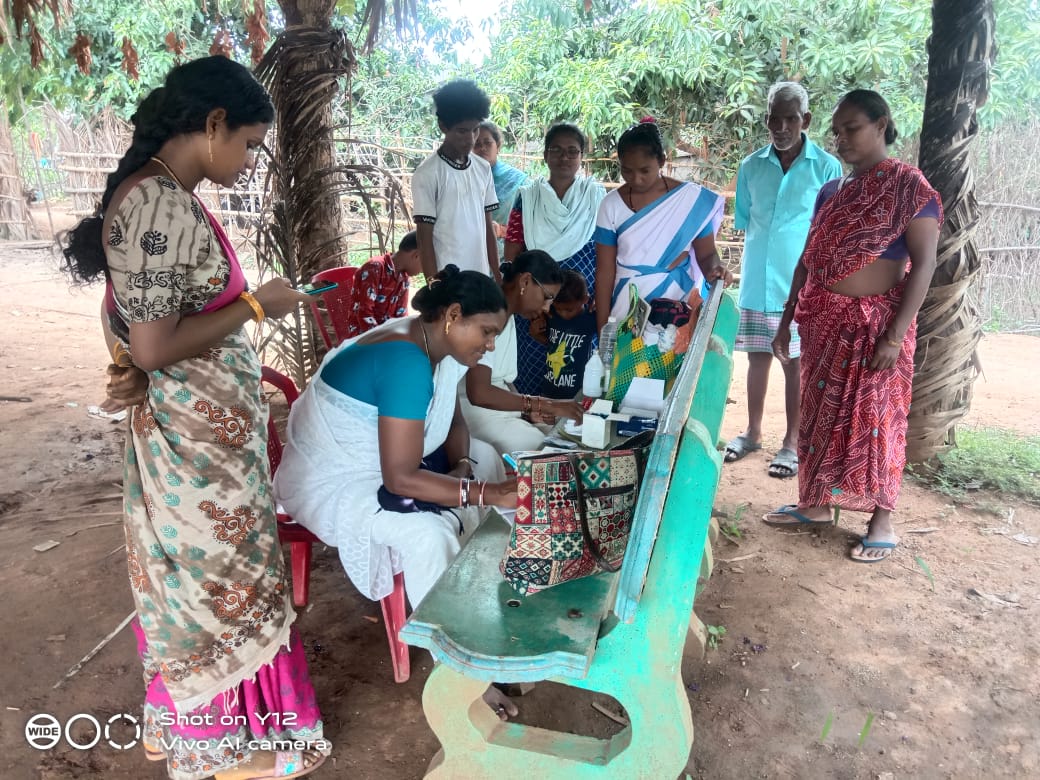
[404, 12]
[314, 170]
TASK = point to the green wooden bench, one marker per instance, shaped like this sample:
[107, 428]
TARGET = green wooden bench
[618, 634]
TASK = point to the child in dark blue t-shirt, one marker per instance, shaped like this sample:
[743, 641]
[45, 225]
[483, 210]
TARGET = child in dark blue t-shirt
[568, 334]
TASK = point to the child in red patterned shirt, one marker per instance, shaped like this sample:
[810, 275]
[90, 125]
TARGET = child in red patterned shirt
[380, 289]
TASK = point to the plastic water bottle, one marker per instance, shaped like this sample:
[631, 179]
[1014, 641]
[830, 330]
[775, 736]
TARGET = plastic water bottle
[607, 340]
[592, 382]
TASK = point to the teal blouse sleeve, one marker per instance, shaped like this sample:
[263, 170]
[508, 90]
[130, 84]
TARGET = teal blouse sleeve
[393, 376]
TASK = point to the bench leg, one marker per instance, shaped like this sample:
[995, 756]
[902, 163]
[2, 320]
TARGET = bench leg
[713, 530]
[698, 635]
[476, 744]
[707, 564]
[448, 699]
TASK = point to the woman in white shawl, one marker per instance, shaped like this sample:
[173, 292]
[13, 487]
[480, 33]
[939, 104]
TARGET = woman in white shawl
[556, 215]
[377, 461]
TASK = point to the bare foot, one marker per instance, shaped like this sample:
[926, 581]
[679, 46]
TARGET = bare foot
[880, 541]
[153, 753]
[266, 764]
[500, 704]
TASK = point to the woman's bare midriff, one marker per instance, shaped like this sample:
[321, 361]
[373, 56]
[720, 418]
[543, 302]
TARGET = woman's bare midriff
[875, 279]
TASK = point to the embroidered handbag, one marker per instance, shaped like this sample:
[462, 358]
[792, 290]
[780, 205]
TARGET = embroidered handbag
[573, 517]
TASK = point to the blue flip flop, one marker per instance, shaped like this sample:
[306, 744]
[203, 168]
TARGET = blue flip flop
[791, 510]
[868, 545]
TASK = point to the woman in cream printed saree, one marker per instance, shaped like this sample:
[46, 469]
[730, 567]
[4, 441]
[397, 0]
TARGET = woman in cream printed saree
[225, 671]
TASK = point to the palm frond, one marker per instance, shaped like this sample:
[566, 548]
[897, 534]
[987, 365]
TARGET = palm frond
[321, 196]
[405, 15]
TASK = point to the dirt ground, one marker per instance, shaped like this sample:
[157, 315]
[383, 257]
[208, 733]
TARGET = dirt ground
[814, 646]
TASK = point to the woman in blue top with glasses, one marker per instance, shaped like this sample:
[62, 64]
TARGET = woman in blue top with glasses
[558, 216]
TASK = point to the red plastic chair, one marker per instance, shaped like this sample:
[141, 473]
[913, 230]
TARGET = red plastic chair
[299, 539]
[332, 317]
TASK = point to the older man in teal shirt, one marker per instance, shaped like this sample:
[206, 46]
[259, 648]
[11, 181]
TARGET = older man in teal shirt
[776, 191]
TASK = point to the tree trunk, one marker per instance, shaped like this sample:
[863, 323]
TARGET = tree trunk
[15, 223]
[304, 75]
[961, 52]
[302, 70]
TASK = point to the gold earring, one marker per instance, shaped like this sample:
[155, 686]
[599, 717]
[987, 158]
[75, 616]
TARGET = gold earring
[523, 289]
[210, 142]
[447, 327]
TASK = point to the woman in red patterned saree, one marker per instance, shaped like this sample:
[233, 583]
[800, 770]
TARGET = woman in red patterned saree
[867, 264]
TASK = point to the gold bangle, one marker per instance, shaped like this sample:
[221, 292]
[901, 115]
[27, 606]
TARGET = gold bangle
[893, 343]
[121, 356]
[254, 304]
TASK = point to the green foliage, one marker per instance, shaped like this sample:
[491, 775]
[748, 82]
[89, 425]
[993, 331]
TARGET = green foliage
[394, 84]
[865, 731]
[715, 635]
[827, 724]
[1015, 88]
[106, 22]
[701, 68]
[989, 459]
[732, 530]
[732, 527]
[927, 571]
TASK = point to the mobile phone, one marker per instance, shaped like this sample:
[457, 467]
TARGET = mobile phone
[314, 289]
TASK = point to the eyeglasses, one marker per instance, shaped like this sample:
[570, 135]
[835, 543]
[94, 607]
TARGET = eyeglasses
[561, 151]
[549, 297]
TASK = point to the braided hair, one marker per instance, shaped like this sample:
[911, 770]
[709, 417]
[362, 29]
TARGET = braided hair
[181, 107]
[645, 135]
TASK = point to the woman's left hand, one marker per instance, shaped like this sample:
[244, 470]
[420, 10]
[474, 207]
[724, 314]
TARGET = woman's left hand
[719, 271]
[885, 355]
[127, 386]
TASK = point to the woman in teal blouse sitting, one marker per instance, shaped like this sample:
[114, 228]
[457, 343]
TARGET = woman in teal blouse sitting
[379, 462]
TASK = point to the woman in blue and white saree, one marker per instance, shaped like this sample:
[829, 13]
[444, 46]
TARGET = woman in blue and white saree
[654, 232]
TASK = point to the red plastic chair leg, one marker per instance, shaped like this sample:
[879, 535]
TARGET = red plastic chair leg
[300, 555]
[395, 613]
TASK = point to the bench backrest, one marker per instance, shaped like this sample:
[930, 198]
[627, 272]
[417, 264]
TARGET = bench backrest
[690, 396]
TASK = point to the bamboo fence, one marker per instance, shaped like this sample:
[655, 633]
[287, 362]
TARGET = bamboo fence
[80, 155]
